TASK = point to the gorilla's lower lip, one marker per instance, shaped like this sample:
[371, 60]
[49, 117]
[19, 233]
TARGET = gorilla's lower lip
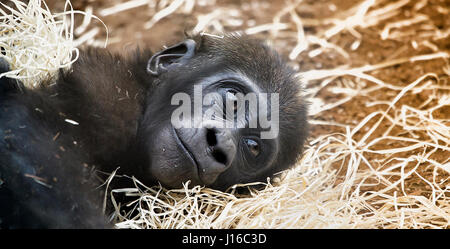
[186, 151]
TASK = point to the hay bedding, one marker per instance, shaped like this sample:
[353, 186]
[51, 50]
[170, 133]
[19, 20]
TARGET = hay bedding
[377, 75]
[37, 42]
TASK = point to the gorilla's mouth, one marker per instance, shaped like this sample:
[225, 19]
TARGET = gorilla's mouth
[186, 151]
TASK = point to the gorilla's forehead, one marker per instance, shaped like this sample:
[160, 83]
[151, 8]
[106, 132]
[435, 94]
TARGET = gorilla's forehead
[250, 58]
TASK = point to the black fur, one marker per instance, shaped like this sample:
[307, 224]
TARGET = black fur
[47, 161]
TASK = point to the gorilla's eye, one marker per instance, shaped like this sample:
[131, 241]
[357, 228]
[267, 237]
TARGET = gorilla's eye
[230, 98]
[231, 95]
[232, 91]
[253, 147]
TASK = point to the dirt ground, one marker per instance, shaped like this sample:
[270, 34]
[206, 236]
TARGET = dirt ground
[126, 31]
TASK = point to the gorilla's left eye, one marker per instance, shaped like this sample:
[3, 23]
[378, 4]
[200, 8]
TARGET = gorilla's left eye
[231, 95]
[229, 98]
[253, 146]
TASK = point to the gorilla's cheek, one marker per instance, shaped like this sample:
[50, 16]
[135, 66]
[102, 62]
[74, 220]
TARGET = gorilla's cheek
[168, 162]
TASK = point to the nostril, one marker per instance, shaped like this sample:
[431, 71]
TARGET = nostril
[211, 137]
[220, 156]
[220, 146]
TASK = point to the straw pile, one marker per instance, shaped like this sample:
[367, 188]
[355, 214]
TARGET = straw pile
[35, 42]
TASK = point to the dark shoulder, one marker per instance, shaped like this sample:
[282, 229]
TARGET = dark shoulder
[112, 67]
[103, 79]
[105, 93]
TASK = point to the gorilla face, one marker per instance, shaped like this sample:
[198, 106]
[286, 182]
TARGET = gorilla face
[202, 148]
[203, 117]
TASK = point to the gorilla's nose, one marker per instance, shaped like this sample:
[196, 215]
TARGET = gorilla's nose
[220, 151]
[221, 145]
[212, 147]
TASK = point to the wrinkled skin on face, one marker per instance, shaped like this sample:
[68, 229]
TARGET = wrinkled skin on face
[200, 149]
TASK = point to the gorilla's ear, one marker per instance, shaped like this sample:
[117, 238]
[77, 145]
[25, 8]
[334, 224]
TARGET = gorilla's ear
[176, 55]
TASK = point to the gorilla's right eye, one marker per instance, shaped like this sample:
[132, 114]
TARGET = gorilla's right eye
[253, 147]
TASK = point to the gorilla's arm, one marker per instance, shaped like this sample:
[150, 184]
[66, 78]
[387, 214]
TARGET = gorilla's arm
[44, 178]
[46, 159]
[43, 181]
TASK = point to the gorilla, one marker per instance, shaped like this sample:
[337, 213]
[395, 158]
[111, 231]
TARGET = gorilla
[110, 111]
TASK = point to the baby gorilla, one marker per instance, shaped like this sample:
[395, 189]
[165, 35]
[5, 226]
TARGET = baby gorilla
[198, 111]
